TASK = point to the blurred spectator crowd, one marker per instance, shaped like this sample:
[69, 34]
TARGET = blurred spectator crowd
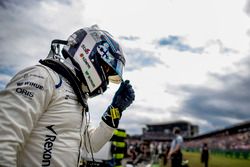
[150, 152]
[224, 141]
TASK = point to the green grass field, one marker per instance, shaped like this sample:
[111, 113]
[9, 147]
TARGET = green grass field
[214, 161]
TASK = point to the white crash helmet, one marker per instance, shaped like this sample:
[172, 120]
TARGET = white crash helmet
[97, 59]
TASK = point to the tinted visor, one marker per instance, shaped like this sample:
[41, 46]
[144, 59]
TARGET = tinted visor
[115, 73]
[113, 55]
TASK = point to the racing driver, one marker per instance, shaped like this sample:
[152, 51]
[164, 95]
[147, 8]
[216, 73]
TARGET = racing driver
[44, 117]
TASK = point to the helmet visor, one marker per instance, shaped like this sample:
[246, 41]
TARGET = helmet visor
[117, 68]
[112, 54]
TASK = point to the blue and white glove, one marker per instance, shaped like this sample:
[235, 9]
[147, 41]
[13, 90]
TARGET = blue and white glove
[123, 97]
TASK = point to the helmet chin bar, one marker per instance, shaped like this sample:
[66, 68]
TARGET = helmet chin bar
[99, 90]
[103, 87]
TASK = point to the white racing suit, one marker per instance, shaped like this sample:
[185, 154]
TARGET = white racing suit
[42, 124]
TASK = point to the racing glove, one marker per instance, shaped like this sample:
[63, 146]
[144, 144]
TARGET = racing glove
[123, 97]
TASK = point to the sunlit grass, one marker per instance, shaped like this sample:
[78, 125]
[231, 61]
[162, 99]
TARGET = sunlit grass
[214, 161]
